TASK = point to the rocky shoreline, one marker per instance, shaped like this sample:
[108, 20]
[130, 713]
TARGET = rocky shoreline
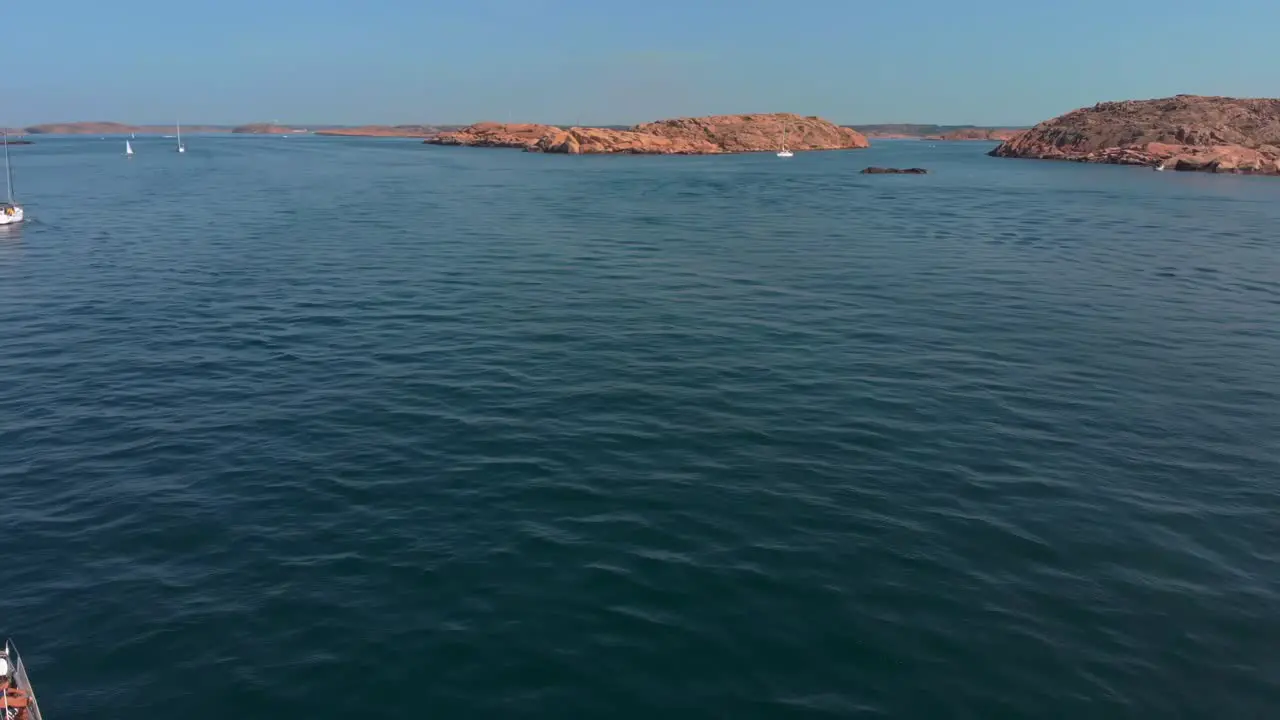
[1185, 132]
[710, 135]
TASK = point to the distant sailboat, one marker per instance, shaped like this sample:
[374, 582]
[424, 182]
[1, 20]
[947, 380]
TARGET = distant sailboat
[128, 149]
[10, 212]
[784, 152]
[181, 148]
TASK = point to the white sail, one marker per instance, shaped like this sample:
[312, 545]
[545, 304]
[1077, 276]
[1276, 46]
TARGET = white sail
[10, 212]
[8, 171]
[181, 147]
[128, 149]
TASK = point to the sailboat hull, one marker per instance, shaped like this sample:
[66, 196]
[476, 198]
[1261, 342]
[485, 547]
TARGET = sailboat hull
[9, 219]
[20, 689]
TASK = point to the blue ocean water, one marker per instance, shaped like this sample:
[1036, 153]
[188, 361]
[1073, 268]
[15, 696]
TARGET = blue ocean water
[326, 428]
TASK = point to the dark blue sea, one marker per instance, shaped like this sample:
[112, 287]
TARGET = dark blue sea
[325, 428]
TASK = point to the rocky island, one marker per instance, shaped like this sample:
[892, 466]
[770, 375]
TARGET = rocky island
[1186, 132]
[682, 136]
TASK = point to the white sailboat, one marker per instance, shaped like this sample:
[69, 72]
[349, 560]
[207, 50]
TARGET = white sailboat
[128, 149]
[10, 212]
[181, 148]
[784, 152]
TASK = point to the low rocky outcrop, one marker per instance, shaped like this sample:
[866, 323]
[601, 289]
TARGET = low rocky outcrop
[1186, 132]
[684, 136]
[894, 171]
[756, 133]
[402, 131]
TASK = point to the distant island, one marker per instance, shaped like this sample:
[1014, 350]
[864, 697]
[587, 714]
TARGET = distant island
[1185, 132]
[910, 131]
[714, 134]
[985, 134]
[265, 129]
[402, 131]
[115, 128]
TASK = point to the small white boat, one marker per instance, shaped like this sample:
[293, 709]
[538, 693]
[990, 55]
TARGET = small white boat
[128, 149]
[784, 152]
[19, 698]
[10, 212]
[181, 148]
[1159, 168]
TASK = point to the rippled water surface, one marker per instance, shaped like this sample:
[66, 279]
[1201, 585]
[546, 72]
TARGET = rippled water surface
[332, 428]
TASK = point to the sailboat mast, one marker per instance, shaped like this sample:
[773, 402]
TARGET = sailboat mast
[8, 170]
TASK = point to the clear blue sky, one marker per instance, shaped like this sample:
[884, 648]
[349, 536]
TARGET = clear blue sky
[985, 62]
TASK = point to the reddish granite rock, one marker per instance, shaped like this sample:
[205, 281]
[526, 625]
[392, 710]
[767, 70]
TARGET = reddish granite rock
[686, 136]
[758, 132]
[585, 141]
[492, 134]
[403, 131]
[1186, 132]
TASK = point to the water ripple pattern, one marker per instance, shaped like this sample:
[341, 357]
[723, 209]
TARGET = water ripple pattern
[332, 428]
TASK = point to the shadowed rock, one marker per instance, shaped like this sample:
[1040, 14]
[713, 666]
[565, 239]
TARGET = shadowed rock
[894, 171]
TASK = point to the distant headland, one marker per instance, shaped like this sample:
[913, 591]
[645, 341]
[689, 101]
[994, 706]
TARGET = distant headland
[115, 128]
[912, 131]
[400, 131]
[984, 134]
[1185, 132]
[265, 129]
[709, 135]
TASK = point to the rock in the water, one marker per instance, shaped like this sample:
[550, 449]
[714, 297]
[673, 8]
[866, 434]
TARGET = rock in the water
[683, 136]
[1186, 132]
[894, 171]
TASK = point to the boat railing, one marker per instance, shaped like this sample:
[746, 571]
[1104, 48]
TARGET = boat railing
[20, 675]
